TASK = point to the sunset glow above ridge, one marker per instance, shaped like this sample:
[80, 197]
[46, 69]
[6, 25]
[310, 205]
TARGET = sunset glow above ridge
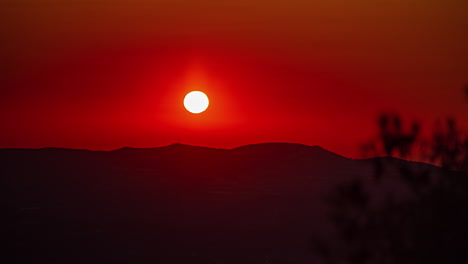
[106, 74]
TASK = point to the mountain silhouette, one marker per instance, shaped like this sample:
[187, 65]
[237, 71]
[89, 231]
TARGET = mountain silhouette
[258, 203]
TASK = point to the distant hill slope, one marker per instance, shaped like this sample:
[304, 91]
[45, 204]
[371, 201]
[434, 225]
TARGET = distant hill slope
[174, 204]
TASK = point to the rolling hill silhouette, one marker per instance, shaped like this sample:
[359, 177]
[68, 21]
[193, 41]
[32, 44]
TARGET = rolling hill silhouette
[174, 204]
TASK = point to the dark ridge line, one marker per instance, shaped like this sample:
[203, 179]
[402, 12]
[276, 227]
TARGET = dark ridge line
[273, 147]
[239, 148]
[276, 144]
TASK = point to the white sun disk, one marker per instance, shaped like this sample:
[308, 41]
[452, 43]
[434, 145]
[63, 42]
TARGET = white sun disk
[196, 102]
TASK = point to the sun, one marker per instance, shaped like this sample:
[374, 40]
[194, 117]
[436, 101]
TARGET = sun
[196, 102]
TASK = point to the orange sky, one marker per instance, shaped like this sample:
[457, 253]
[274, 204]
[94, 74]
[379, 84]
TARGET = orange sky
[104, 74]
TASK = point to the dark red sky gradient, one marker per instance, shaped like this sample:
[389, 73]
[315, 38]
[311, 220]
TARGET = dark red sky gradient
[105, 74]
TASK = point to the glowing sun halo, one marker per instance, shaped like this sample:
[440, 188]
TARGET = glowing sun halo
[196, 102]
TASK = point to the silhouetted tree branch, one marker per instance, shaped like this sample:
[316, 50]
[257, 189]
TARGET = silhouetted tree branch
[429, 227]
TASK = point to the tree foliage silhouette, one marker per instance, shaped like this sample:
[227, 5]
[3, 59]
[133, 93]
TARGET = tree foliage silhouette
[431, 226]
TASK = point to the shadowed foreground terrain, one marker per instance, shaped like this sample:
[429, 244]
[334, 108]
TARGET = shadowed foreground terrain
[175, 204]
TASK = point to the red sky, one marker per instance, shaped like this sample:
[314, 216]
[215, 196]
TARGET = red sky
[104, 74]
